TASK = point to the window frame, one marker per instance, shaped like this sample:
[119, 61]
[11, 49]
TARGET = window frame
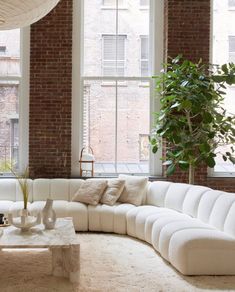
[156, 45]
[23, 96]
[211, 171]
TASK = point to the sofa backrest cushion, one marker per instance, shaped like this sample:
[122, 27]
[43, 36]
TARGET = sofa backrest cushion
[59, 189]
[74, 185]
[7, 189]
[175, 196]
[216, 208]
[220, 211]
[157, 192]
[55, 189]
[41, 189]
[192, 200]
[229, 224]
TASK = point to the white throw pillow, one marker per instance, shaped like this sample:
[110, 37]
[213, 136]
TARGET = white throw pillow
[134, 189]
[113, 191]
[90, 191]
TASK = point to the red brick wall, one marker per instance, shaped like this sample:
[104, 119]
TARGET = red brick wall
[51, 93]
[188, 28]
[187, 32]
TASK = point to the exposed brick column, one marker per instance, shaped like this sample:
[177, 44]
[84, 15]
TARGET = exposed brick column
[187, 28]
[187, 32]
[51, 93]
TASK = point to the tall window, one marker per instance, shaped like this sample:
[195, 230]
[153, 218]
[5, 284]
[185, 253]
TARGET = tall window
[116, 105]
[113, 55]
[10, 79]
[224, 52]
[144, 56]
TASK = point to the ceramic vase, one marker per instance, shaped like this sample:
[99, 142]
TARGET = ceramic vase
[48, 215]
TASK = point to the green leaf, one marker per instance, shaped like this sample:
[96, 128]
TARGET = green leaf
[210, 161]
[224, 68]
[205, 147]
[184, 165]
[155, 149]
[207, 117]
[153, 141]
[171, 169]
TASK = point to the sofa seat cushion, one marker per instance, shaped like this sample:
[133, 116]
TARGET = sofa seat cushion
[202, 252]
[161, 222]
[141, 219]
[16, 208]
[107, 218]
[166, 233]
[5, 206]
[78, 211]
[141, 212]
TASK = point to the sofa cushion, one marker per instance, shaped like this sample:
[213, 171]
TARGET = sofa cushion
[109, 218]
[167, 231]
[5, 206]
[202, 252]
[74, 185]
[145, 211]
[134, 190]
[176, 195]
[41, 189]
[79, 213]
[8, 189]
[157, 193]
[90, 191]
[112, 192]
[59, 189]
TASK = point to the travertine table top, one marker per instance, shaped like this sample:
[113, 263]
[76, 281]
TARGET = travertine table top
[37, 237]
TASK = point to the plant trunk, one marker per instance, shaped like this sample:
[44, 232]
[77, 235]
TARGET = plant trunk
[191, 174]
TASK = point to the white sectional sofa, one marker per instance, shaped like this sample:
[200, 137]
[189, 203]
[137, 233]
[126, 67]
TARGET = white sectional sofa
[192, 227]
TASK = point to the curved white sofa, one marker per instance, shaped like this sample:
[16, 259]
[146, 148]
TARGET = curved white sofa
[192, 227]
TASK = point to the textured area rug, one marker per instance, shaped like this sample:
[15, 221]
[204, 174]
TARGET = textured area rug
[108, 263]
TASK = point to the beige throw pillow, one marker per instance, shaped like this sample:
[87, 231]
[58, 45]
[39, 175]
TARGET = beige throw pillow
[113, 191]
[134, 189]
[90, 192]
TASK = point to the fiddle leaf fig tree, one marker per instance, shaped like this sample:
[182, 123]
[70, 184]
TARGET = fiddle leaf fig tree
[192, 119]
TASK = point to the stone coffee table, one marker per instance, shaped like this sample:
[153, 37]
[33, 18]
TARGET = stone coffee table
[62, 242]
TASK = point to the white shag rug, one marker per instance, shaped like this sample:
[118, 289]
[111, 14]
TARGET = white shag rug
[108, 263]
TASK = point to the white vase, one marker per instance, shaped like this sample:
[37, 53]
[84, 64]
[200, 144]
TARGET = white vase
[48, 215]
